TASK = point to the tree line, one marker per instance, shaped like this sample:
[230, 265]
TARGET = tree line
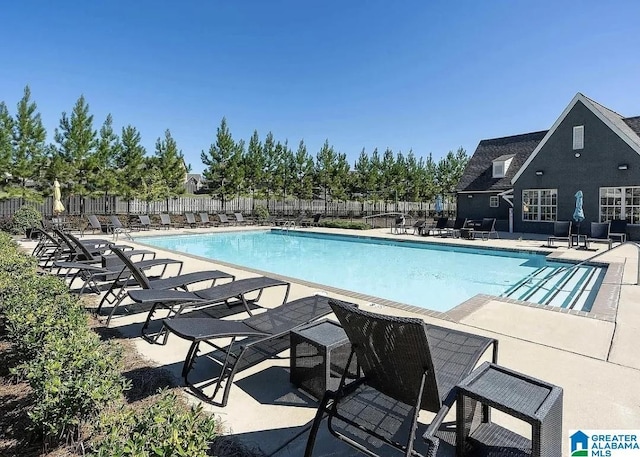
[89, 162]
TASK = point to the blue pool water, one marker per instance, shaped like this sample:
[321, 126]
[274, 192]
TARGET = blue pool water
[433, 277]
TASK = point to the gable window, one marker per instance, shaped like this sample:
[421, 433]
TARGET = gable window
[501, 165]
[620, 203]
[539, 205]
[498, 169]
[578, 137]
[493, 201]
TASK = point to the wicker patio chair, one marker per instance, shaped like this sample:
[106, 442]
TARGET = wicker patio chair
[561, 232]
[406, 366]
[253, 340]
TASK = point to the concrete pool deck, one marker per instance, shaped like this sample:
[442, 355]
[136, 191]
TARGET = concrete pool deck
[595, 360]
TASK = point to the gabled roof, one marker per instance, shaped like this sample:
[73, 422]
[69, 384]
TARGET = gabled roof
[504, 157]
[610, 118]
[478, 175]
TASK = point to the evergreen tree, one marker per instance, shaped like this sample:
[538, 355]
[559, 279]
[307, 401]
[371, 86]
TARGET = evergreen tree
[387, 179]
[224, 164]
[6, 145]
[449, 171]
[340, 177]
[105, 160]
[29, 146]
[77, 143]
[303, 173]
[170, 165]
[270, 167]
[130, 163]
[325, 171]
[253, 164]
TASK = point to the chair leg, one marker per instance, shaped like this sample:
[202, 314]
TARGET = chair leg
[313, 432]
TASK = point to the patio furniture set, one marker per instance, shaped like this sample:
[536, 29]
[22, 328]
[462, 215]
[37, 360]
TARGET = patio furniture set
[601, 232]
[372, 373]
[461, 228]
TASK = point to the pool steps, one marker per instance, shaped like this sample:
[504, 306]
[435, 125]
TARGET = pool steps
[571, 288]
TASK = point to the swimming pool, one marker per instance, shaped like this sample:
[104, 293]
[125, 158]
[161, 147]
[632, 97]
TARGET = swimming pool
[436, 277]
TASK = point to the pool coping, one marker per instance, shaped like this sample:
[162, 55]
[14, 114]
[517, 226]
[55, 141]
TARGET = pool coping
[604, 307]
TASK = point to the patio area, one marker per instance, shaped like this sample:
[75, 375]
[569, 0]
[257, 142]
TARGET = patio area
[592, 356]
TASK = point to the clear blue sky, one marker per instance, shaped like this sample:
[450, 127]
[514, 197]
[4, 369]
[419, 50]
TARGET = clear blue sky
[424, 75]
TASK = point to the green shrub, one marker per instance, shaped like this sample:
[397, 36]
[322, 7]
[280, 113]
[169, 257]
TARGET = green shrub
[73, 379]
[343, 224]
[261, 213]
[164, 429]
[26, 217]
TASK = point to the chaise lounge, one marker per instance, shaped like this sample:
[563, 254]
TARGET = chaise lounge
[561, 232]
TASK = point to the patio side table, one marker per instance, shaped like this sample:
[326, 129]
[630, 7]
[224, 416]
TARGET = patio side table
[523, 397]
[319, 353]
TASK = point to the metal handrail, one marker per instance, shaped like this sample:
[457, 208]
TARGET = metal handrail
[562, 270]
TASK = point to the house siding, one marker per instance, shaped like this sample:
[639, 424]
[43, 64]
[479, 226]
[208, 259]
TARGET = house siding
[596, 167]
[477, 207]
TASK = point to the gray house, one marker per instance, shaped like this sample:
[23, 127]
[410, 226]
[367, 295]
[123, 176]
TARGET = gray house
[529, 181]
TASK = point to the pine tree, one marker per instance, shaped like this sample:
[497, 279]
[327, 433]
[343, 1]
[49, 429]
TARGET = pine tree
[130, 163]
[104, 160]
[77, 143]
[270, 166]
[303, 172]
[253, 164]
[224, 171]
[169, 162]
[29, 146]
[6, 145]
[326, 160]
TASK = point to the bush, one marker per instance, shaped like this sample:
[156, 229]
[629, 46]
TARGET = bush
[261, 212]
[343, 224]
[166, 428]
[26, 217]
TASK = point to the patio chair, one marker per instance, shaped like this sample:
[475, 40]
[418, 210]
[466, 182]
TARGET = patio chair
[399, 225]
[487, 228]
[204, 220]
[191, 220]
[561, 232]
[144, 222]
[240, 220]
[458, 224]
[439, 228]
[116, 228]
[618, 230]
[224, 219]
[133, 275]
[419, 226]
[312, 222]
[253, 340]
[166, 222]
[599, 234]
[95, 224]
[228, 294]
[406, 366]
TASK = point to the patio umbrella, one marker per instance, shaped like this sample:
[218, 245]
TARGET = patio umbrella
[439, 206]
[58, 207]
[578, 214]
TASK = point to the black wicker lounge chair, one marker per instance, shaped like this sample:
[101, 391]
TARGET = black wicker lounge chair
[204, 220]
[166, 222]
[240, 220]
[224, 219]
[487, 228]
[561, 232]
[253, 339]
[132, 275]
[439, 228]
[191, 220]
[229, 294]
[116, 228]
[599, 234]
[406, 366]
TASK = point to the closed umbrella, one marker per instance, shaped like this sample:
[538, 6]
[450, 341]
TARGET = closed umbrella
[58, 207]
[578, 214]
[439, 206]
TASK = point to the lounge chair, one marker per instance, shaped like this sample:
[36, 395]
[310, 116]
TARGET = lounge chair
[599, 234]
[406, 366]
[191, 220]
[253, 339]
[487, 228]
[166, 222]
[618, 230]
[439, 228]
[95, 224]
[224, 219]
[145, 222]
[313, 222]
[240, 220]
[228, 294]
[561, 232]
[116, 228]
[458, 225]
[419, 226]
[204, 220]
[133, 275]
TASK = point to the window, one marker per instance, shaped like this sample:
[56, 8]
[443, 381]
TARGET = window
[498, 169]
[578, 137]
[620, 203]
[493, 201]
[539, 205]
